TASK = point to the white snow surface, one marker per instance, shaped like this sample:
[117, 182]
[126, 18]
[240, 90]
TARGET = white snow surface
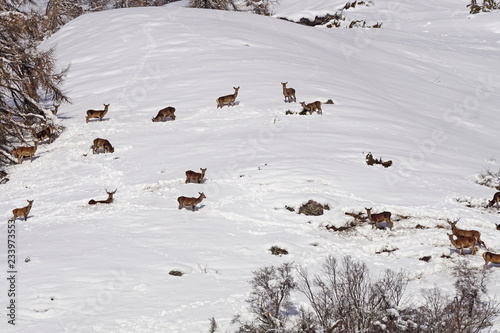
[423, 91]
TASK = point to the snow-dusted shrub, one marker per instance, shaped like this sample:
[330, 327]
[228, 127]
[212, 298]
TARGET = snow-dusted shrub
[487, 6]
[213, 4]
[269, 299]
[489, 178]
[261, 7]
[343, 297]
[469, 310]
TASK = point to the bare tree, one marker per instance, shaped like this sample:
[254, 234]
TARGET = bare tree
[27, 77]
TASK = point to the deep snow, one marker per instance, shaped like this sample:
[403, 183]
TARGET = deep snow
[422, 92]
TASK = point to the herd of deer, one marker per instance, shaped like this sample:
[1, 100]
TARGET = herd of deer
[461, 239]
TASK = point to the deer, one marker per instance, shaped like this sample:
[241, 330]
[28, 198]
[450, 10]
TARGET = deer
[107, 201]
[195, 176]
[314, 106]
[22, 152]
[18, 212]
[190, 202]
[164, 113]
[496, 199]
[228, 99]
[56, 108]
[46, 133]
[97, 113]
[466, 233]
[288, 93]
[102, 143]
[378, 218]
[463, 242]
[490, 257]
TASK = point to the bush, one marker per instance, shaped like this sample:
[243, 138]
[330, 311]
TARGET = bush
[269, 299]
[487, 6]
[261, 7]
[489, 178]
[213, 4]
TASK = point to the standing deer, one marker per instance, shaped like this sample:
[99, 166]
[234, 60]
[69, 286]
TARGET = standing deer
[466, 233]
[378, 218]
[496, 199]
[56, 108]
[490, 257]
[97, 113]
[102, 143]
[46, 133]
[195, 176]
[462, 243]
[18, 212]
[314, 106]
[228, 99]
[164, 113]
[107, 201]
[289, 93]
[190, 202]
[22, 152]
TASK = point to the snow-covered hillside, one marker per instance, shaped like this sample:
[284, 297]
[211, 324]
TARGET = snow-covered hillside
[423, 91]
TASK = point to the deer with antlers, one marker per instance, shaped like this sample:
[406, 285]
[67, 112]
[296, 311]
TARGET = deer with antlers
[190, 202]
[289, 93]
[46, 133]
[463, 242]
[496, 199]
[164, 113]
[102, 143]
[466, 233]
[196, 177]
[99, 114]
[19, 212]
[107, 201]
[22, 152]
[314, 106]
[228, 99]
[375, 219]
[56, 108]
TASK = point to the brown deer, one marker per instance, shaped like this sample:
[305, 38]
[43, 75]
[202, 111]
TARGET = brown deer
[314, 106]
[56, 108]
[195, 176]
[466, 233]
[228, 99]
[462, 243]
[289, 93]
[46, 133]
[190, 202]
[496, 199]
[102, 143]
[22, 152]
[490, 257]
[99, 114]
[164, 113]
[18, 212]
[378, 218]
[107, 201]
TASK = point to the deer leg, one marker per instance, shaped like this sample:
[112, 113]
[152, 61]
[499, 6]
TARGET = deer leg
[192, 208]
[25, 216]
